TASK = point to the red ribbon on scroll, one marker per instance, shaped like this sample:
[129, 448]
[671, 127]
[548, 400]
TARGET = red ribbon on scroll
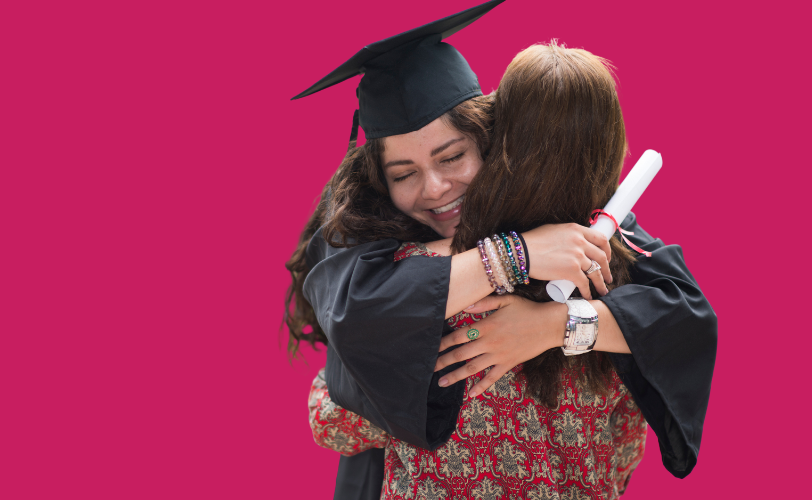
[597, 213]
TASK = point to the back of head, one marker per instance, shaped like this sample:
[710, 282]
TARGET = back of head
[557, 147]
[556, 154]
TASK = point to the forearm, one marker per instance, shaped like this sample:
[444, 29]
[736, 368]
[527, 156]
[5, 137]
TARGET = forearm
[610, 338]
[554, 316]
[468, 283]
[519, 330]
[384, 320]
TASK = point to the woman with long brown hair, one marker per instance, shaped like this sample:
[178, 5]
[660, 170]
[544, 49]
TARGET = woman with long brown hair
[557, 152]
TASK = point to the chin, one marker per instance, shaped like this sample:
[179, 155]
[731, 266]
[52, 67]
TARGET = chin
[447, 230]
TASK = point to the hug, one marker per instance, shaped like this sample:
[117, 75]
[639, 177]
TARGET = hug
[456, 195]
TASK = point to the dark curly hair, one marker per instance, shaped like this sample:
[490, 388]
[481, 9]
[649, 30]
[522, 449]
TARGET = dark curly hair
[355, 207]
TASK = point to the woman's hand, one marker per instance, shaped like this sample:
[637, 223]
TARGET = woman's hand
[565, 252]
[520, 330]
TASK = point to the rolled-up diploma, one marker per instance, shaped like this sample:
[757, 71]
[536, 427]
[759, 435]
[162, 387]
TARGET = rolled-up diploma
[619, 206]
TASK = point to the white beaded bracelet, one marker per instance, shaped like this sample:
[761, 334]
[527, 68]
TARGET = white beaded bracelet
[498, 267]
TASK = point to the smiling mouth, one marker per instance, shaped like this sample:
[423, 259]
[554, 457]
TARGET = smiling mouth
[445, 208]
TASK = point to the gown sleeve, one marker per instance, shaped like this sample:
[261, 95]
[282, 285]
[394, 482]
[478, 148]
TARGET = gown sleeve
[671, 331]
[384, 321]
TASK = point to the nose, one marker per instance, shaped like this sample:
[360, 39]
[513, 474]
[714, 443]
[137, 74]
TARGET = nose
[435, 185]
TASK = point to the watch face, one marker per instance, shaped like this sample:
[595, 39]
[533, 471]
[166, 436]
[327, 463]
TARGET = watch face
[583, 335]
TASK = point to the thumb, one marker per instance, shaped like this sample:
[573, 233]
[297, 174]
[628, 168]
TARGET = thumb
[489, 303]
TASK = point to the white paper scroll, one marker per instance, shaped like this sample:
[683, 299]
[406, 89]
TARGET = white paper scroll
[619, 206]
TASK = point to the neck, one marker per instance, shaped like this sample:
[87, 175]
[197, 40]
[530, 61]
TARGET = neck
[442, 247]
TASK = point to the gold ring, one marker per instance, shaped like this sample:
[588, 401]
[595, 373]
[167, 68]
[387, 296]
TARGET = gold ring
[473, 334]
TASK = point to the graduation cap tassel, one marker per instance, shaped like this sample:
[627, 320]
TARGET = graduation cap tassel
[354, 132]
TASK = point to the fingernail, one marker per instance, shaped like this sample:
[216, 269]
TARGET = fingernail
[472, 394]
[470, 307]
[443, 382]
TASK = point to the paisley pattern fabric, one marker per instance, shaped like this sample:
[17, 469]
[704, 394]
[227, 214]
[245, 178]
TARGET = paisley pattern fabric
[506, 445]
[413, 248]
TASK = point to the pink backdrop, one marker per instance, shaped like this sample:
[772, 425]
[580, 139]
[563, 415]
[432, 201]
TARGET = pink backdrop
[154, 176]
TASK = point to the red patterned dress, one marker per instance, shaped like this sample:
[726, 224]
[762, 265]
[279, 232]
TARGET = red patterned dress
[506, 445]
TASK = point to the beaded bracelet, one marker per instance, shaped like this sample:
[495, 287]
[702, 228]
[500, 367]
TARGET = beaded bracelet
[503, 257]
[501, 271]
[486, 262]
[513, 266]
[524, 264]
[526, 252]
[501, 277]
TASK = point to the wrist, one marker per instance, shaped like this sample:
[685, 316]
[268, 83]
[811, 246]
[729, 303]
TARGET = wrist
[582, 327]
[556, 316]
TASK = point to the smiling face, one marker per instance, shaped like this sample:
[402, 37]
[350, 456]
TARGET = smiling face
[428, 171]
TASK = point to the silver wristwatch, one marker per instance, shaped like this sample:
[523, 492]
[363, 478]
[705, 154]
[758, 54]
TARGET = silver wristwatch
[582, 327]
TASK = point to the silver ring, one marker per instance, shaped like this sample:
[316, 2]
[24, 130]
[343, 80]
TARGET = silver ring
[594, 267]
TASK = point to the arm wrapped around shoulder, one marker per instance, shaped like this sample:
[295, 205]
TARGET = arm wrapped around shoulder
[337, 429]
[384, 321]
[671, 331]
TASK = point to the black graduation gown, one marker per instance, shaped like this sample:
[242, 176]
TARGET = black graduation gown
[384, 321]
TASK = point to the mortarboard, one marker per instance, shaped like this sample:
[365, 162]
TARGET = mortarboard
[410, 79]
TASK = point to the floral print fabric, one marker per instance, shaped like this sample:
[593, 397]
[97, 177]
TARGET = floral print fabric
[506, 445]
[338, 429]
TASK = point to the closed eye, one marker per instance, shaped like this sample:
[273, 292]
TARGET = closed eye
[453, 159]
[402, 178]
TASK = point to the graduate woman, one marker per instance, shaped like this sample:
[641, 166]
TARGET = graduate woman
[384, 321]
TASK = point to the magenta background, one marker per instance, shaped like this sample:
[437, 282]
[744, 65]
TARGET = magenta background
[154, 177]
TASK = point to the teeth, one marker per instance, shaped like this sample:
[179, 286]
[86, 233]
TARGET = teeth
[446, 208]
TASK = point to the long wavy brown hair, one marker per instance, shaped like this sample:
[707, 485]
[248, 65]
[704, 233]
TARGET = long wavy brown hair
[355, 207]
[557, 151]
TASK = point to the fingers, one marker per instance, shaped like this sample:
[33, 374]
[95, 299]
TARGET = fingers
[601, 276]
[490, 378]
[581, 281]
[597, 279]
[472, 367]
[489, 303]
[469, 351]
[594, 253]
[458, 337]
[600, 240]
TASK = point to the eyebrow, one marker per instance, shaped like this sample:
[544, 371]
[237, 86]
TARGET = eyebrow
[439, 149]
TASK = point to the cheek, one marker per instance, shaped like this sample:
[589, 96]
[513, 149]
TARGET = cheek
[401, 197]
[470, 171]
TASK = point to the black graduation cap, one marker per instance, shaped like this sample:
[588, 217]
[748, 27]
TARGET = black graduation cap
[409, 79]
